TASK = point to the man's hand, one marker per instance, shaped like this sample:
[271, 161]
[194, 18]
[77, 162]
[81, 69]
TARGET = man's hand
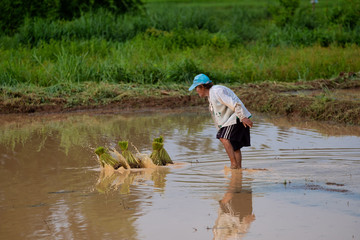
[247, 122]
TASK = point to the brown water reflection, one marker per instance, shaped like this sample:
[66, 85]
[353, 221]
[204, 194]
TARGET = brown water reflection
[122, 179]
[51, 185]
[236, 211]
[329, 129]
[48, 173]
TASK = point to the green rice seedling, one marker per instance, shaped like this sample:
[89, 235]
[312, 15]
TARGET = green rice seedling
[159, 139]
[106, 158]
[155, 155]
[131, 160]
[159, 155]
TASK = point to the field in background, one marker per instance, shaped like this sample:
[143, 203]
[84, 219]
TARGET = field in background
[163, 46]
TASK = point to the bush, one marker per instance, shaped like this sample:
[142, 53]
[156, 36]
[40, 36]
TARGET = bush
[291, 35]
[100, 25]
[13, 12]
[347, 14]
[184, 71]
[167, 18]
[306, 18]
[148, 74]
[284, 13]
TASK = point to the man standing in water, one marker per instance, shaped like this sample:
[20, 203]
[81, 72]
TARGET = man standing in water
[230, 117]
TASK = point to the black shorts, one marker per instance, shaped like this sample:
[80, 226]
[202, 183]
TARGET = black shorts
[238, 134]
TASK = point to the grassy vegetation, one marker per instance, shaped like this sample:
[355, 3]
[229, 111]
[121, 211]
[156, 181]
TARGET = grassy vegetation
[101, 56]
[146, 61]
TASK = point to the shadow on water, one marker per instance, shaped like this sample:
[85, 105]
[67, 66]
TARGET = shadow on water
[52, 187]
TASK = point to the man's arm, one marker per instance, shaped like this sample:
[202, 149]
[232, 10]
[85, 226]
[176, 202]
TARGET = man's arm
[225, 98]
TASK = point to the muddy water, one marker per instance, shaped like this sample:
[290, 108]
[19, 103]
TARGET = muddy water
[301, 180]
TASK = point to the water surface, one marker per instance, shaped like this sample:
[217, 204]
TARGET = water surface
[301, 180]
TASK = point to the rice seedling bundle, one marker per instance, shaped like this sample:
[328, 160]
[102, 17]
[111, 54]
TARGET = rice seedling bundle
[106, 159]
[129, 157]
[159, 155]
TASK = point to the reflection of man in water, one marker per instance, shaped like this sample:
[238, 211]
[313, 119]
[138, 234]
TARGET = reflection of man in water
[235, 212]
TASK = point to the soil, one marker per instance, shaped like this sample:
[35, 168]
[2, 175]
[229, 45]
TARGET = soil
[23, 106]
[285, 99]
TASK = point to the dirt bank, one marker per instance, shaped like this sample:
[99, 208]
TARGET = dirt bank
[318, 100]
[25, 105]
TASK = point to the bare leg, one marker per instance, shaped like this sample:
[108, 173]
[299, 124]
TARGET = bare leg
[238, 158]
[231, 153]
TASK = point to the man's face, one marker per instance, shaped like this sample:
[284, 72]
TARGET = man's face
[200, 90]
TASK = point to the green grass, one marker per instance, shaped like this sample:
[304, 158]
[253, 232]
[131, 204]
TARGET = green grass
[240, 22]
[170, 42]
[154, 60]
[244, 3]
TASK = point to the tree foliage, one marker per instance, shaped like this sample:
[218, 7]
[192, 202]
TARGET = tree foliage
[13, 12]
[285, 12]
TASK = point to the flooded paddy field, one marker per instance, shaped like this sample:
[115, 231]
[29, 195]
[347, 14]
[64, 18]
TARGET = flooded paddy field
[301, 179]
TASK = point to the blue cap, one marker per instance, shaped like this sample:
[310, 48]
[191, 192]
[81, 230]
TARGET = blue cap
[198, 80]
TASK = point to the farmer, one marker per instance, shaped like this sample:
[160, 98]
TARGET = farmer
[230, 116]
[313, 2]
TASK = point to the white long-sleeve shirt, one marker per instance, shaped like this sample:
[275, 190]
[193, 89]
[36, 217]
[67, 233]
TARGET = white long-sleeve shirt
[225, 106]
